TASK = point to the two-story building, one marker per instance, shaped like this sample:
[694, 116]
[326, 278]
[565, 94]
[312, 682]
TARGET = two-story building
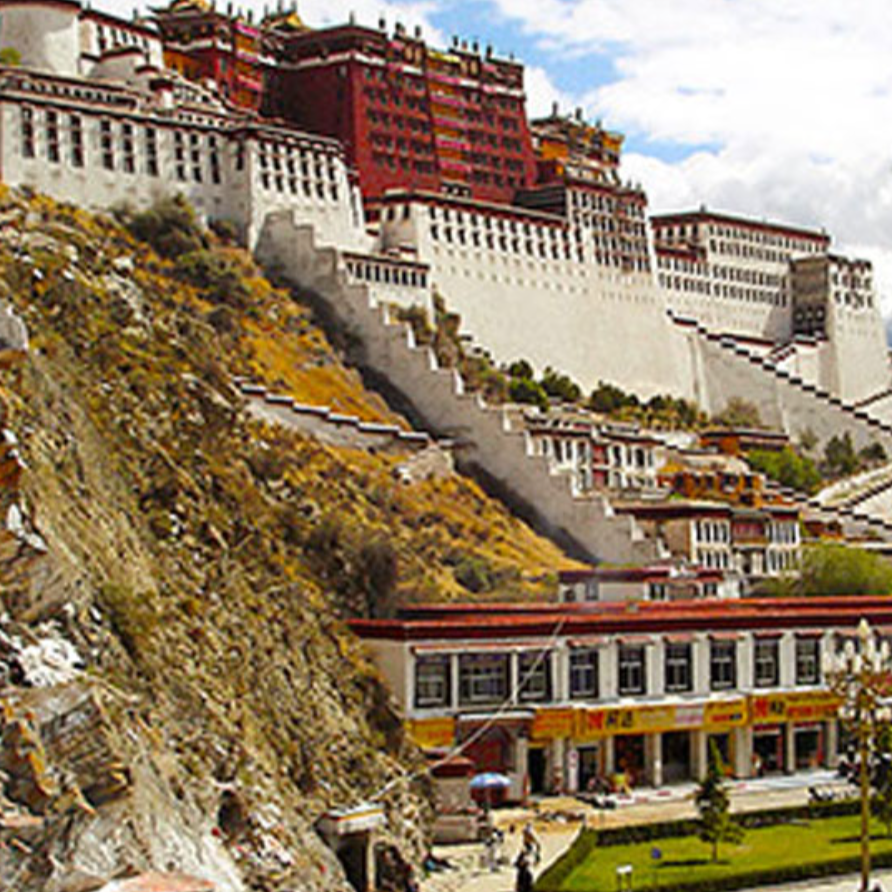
[657, 582]
[554, 695]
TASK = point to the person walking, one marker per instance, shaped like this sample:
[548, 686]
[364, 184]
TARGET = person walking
[524, 879]
[532, 846]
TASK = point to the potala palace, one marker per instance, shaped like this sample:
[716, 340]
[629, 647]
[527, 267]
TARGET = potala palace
[376, 171]
[422, 165]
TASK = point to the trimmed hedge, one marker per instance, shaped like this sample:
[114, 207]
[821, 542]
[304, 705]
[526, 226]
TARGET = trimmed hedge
[553, 877]
[588, 840]
[770, 877]
[622, 836]
[552, 880]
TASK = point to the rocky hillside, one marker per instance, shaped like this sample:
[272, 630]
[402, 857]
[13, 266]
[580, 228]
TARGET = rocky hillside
[179, 692]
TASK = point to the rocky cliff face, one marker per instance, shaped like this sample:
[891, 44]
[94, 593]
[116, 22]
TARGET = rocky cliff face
[178, 690]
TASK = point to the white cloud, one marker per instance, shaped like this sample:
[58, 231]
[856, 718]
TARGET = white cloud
[794, 96]
[542, 93]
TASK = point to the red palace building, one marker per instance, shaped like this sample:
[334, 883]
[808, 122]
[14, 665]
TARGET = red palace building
[408, 116]
[207, 46]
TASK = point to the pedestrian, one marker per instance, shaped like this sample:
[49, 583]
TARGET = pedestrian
[532, 847]
[524, 880]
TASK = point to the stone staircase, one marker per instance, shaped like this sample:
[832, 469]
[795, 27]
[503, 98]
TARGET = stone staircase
[784, 399]
[489, 443]
[326, 424]
[855, 520]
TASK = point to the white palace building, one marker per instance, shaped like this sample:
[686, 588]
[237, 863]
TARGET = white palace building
[572, 273]
[91, 116]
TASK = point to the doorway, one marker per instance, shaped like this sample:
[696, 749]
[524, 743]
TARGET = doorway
[536, 764]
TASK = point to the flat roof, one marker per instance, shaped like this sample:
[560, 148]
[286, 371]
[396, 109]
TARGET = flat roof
[703, 216]
[535, 620]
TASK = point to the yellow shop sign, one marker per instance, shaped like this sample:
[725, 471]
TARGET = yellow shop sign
[798, 706]
[429, 733]
[552, 724]
[591, 723]
[623, 720]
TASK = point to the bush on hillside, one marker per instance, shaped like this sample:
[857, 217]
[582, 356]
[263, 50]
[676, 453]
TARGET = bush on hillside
[840, 458]
[215, 275]
[561, 386]
[169, 226]
[787, 467]
[523, 390]
[739, 413]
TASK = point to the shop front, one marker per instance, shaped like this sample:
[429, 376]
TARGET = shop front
[629, 759]
[501, 748]
[653, 744]
[724, 744]
[768, 750]
[791, 730]
[676, 756]
[808, 746]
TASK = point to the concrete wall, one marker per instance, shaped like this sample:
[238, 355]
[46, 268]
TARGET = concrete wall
[784, 401]
[859, 366]
[505, 456]
[563, 309]
[45, 35]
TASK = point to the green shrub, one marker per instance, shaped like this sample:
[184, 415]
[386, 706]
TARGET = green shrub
[553, 878]
[474, 574]
[523, 390]
[739, 413]
[787, 467]
[169, 226]
[637, 833]
[842, 570]
[558, 385]
[215, 275]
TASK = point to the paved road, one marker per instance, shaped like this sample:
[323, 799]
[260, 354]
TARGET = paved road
[557, 821]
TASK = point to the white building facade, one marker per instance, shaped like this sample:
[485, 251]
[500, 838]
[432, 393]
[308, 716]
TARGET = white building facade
[556, 695]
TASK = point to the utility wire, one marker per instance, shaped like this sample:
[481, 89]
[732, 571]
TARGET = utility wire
[507, 704]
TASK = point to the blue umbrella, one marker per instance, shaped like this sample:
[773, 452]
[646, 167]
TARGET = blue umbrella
[489, 780]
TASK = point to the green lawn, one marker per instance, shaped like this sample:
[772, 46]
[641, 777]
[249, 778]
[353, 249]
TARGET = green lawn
[687, 859]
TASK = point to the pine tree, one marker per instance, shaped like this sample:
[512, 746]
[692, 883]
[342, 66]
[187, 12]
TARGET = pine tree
[882, 799]
[712, 802]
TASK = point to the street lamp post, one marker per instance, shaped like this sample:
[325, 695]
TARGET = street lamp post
[860, 678]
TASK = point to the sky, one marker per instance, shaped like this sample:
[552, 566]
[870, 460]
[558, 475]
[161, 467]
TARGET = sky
[778, 109]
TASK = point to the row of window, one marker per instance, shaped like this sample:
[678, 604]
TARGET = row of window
[740, 233]
[735, 292]
[488, 678]
[387, 274]
[130, 148]
[605, 204]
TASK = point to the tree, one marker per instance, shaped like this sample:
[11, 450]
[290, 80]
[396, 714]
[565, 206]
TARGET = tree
[882, 799]
[556, 384]
[520, 368]
[787, 467]
[873, 454]
[841, 570]
[808, 439]
[716, 824]
[609, 398]
[739, 413]
[523, 390]
[10, 56]
[170, 226]
[840, 458]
